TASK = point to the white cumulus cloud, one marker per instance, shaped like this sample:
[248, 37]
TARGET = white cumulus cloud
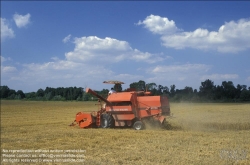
[66, 39]
[232, 37]
[61, 73]
[185, 68]
[2, 58]
[6, 31]
[6, 69]
[21, 20]
[248, 78]
[159, 25]
[107, 50]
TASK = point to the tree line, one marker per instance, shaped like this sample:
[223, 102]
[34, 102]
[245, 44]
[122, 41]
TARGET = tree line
[208, 92]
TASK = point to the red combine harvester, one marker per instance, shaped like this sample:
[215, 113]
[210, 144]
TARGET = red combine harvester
[125, 109]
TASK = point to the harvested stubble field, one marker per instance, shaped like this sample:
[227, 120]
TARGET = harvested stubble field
[196, 134]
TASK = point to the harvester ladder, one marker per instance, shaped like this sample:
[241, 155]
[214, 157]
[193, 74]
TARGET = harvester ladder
[98, 117]
[98, 120]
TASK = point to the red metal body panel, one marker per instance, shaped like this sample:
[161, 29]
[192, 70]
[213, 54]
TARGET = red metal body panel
[147, 113]
[148, 101]
[120, 97]
[123, 116]
[149, 105]
[119, 108]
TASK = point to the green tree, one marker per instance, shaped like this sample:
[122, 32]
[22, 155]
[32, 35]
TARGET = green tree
[206, 89]
[165, 90]
[86, 96]
[152, 87]
[188, 90]
[141, 85]
[229, 89]
[30, 95]
[160, 90]
[118, 87]
[245, 95]
[49, 93]
[239, 90]
[172, 90]
[138, 86]
[20, 94]
[4, 91]
[218, 94]
[12, 94]
[40, 92]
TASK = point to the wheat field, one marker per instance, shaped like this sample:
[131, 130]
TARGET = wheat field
[197, 133]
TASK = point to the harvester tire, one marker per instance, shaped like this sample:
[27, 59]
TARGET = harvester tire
[107, 121]
[138, 125]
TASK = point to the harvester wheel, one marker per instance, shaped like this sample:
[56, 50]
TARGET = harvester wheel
[138, 125]
[107, 121]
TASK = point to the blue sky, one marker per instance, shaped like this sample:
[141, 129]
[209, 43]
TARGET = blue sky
[82, 44]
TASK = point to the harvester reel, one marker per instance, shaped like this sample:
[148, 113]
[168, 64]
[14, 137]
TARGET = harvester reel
[107, 121]
[138, 125]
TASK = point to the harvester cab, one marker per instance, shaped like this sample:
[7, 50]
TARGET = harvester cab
[125, 109]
